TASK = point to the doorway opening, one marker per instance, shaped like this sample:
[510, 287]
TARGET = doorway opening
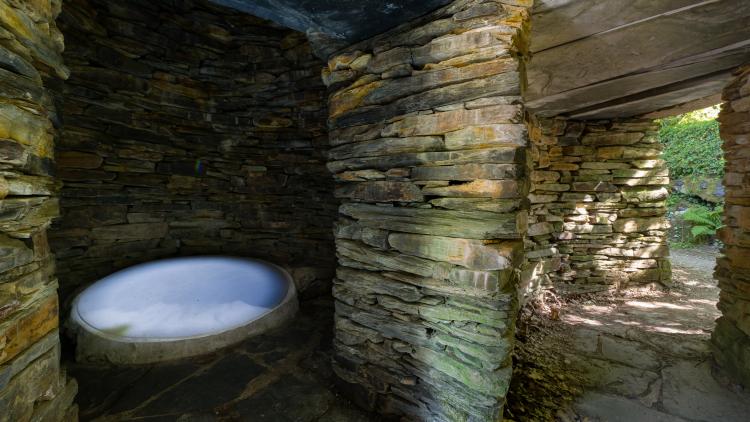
[622, 248]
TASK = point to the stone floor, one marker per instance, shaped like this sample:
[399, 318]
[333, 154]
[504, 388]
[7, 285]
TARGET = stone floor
[283, 376]
[645, 357]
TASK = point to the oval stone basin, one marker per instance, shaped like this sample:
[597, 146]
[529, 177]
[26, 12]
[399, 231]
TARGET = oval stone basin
[179, 307]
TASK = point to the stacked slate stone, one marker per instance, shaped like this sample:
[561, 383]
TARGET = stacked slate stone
[190, 129]
[731, 339]
[32, 384]
[428, 150]
[597, 219]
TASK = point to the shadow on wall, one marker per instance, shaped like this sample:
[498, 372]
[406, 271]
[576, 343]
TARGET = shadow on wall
[598, 206]
[189, 129]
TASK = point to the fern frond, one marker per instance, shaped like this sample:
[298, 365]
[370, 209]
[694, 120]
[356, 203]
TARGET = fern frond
[702, 231]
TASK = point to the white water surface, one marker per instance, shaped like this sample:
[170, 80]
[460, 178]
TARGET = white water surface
[182, 297]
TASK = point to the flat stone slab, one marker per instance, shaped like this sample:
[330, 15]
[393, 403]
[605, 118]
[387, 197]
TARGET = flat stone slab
[692, 392]
[282, 375]
[609, 408]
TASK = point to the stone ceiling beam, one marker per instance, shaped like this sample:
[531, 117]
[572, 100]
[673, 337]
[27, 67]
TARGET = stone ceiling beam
[659, 98]
[605, 92]
[602, 54]
[558, 22]
[687, 107]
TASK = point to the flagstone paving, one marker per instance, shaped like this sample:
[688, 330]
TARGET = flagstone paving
[283, 376]
[645, 355]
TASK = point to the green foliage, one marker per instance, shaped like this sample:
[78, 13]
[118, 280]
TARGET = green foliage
[705, 222]
[692, 144]
[681, 245]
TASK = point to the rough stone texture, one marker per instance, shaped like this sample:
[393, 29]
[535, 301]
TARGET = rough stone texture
[428, 149]
[32, 384]
[597, 218]
[190, 129]
[731, 339]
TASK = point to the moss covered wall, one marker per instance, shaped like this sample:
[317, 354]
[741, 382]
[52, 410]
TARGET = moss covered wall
[429, 155]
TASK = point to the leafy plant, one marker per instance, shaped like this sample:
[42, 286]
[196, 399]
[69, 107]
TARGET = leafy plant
[706, 222]
[692, 144]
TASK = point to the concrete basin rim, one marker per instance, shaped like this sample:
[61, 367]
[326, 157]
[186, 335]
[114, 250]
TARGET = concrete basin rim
[291, 294]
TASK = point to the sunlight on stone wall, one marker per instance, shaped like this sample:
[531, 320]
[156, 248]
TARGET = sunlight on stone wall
[598, 192]
[428, 149]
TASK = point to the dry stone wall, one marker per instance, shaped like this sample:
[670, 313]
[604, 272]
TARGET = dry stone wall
[731, 339]
[429, 154]
[190, 129]
[32, 384]
[597, 218]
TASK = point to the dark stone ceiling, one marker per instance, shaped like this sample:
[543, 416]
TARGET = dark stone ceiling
[591, 59]
[346, 21]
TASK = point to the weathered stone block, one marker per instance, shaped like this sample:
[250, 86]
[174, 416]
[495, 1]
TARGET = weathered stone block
[81, 160]
[128, 232]
[630, 225]
[380, 191]
[620, 152]
[441, 123]
[468, 224]
[639, 195]
[612, 138]
[501, 189]
[386, 146]
[13, 253]
[467, 172]
[477, 204]
[498, 155]
[27, 327]
[486, 136]
[469, 253]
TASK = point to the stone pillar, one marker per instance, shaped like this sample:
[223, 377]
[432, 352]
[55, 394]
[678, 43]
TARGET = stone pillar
[598, 192]
[731, 339]
[32, 384]
[428, 149]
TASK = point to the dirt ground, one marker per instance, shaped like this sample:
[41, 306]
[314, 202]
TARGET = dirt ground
[634, 355]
